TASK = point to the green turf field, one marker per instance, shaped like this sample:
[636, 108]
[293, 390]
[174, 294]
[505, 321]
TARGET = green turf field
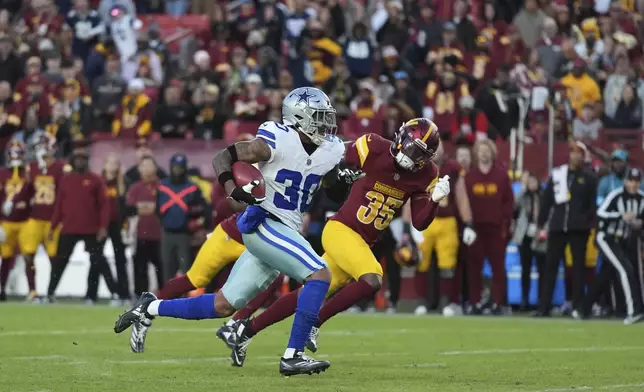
[65, 348]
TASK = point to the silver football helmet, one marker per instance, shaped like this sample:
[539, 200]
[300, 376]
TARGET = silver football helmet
[309, 110]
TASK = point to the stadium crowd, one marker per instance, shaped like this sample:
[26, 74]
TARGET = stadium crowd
[83, 71]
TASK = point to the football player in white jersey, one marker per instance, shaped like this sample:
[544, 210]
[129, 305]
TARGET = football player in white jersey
[293, 158]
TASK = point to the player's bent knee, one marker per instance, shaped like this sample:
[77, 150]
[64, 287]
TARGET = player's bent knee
[374, 280]
[223, 307]
[322, 274]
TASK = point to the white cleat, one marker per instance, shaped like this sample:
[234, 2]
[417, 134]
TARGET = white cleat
[452, 310]
[634, 319]
[312, 342]
[421, 310]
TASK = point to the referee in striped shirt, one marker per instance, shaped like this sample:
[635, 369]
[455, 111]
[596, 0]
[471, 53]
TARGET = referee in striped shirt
[618, 237]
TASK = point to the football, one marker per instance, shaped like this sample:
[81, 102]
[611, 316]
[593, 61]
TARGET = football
[244, 173]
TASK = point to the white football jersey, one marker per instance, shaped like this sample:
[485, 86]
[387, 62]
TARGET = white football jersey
[292, 176]
[124, 36]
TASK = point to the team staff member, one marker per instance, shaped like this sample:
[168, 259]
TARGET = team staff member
[178, 201]
[15, 209]
[82, 212]
[114, 192]
[141, 197]
[568, 207]
[492, 203]
[442, 237]
[620, 223]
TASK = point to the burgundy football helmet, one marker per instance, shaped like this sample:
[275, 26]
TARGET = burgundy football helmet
[15, 153]
[415, 144]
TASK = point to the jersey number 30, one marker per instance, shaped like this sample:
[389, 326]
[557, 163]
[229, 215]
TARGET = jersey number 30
[291, 198]
[380, 210]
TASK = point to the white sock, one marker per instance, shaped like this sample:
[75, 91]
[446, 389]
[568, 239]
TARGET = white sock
[153, 308]
[289, 353]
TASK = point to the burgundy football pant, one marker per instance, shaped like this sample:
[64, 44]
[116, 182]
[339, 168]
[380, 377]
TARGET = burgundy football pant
[490, 243]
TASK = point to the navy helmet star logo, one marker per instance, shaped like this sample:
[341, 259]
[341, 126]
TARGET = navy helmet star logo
[304, 97]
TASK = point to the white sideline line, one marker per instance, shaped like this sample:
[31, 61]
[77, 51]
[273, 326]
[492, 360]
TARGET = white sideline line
[586, 388]
[539, 350]
[426, 365]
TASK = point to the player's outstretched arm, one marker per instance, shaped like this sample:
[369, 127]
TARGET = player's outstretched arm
[253, 151]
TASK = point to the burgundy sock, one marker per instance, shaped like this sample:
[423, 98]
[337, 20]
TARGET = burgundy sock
[175, 287]
[30, 271]
[348, 296]
[5, 268]
[278, 311]
[259, 300]
[420, 283]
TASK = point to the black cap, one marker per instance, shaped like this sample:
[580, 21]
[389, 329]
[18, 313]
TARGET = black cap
[634, 174]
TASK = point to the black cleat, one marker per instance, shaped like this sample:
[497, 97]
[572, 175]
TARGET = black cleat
[301, 364]
[225, 333]
[137, 314]
[240, 341]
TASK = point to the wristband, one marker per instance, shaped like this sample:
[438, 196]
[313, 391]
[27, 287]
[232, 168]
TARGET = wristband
[225, 177]
[232, 150]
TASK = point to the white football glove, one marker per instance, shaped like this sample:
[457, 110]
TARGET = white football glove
[3, 235]
[441, 189]
[7, 207]
[469, 235]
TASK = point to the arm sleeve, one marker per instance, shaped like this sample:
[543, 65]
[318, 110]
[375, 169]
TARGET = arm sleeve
[103, 206]
[608, 209]
[423, 211]
[546, 204]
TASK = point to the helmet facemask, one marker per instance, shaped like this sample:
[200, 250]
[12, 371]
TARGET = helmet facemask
[410, 153]
[321, 124]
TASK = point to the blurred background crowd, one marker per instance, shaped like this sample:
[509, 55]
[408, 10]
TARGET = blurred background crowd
[129, 75]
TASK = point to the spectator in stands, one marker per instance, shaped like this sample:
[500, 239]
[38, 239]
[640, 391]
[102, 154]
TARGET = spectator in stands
[86, 25]
[272, 26]
[145, 57]
[427, 32]
[72, 120]
[549, 47]
[586, 127]
[158, 46]
[580, 87]
[53, 68]
[211, 114]
[203, 75]
[529, 21]
[394, 32]
[299, 64]
[175, 117]
[178, 201]
[341, 88]
[465, 29]
[10, 118]
[324, 51]
[448, 51]
[268, 62]
[133, 116]
[252, 104]
[441, 98]
[392, 63]
[107, 94]
[30, 126]
[616, 82]
[366, 112]
[359, 52]
[406, 94]
[10, 64]
[629, 113]
[82, 212]
[42, 20]
[141, 198]
[115, 193]
[132, 175]
[492, 25]
[591, 48]
[525, 235]
[469, 123]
